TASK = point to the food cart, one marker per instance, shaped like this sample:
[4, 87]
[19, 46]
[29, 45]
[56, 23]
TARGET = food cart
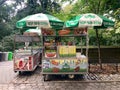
[26, 58]
[60, 57]
[41, 20]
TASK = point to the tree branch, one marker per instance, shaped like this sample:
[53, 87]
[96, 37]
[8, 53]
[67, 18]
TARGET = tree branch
[98, 7]
[2, 2]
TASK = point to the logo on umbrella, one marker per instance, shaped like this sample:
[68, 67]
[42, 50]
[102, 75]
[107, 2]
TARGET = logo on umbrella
[89, 16]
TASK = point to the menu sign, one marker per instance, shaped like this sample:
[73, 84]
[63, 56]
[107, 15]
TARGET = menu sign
[65, 65]
[67, 51]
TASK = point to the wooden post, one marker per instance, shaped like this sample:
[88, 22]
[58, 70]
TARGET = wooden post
[98, 42]
[116, 65]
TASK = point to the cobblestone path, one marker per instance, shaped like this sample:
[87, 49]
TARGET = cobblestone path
[34, 81]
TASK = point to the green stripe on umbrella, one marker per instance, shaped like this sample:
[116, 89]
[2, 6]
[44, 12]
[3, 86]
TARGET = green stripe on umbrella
[22, 23]
[106, 22]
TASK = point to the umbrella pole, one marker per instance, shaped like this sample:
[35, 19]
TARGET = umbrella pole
[99, 56]
[81, 46]
[87, 44]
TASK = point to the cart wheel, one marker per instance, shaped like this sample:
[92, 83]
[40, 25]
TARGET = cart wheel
[20, 73]
[46, 77]
[71, 76]
[15, 71]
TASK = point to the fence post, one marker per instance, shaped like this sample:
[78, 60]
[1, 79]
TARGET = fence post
[116, 65]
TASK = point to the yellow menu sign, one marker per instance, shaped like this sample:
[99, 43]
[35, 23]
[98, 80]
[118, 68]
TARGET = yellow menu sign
[72, 50]
[65, 51]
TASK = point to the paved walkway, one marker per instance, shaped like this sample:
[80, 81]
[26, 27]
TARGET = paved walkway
[6, 71]
[62, 86]
[34, 81]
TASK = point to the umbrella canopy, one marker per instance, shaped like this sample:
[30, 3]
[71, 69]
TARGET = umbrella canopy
[89, 19]
[40, 20]
[32, 32]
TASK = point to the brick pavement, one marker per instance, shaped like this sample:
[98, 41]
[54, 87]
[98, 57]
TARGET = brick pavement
[6, 71]
[34, 81]
[62, 86]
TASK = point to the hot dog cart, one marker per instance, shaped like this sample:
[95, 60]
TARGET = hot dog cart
[60, 57]
[26, 58]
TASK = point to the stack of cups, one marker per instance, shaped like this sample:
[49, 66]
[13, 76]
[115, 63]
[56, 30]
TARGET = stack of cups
[78, 55]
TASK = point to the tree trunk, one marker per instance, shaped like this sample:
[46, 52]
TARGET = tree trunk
[98, 42]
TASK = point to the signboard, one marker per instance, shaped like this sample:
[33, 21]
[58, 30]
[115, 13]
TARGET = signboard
[65, 65]
[67, 51]
[23, 61]
[22, 38]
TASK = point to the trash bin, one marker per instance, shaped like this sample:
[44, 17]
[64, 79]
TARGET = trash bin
[0, 56]
[10, 56]
[5, 56]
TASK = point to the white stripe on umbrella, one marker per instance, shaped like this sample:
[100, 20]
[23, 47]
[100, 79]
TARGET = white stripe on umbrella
[90, 20]
[38, 20]
[37, 31]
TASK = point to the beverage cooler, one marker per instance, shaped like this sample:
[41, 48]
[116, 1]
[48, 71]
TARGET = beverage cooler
[27, 57]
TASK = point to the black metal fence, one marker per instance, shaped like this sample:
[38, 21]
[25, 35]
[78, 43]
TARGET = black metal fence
[108, 54]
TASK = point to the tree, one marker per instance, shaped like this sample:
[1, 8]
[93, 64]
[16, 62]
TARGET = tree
[65, 13]
[37, 6]
[7, 43]
[6, 12]
[2, 2]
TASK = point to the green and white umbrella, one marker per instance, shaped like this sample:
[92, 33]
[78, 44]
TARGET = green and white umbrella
[40, 20]
[89, 19]
[35, 31]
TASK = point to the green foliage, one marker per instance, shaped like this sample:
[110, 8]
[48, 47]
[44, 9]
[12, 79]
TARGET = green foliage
[117, 23]
[9, 17]
[7, 43]
[63, 16]
[107, 37]
[37, 6]
[64, 1]
[117, 14]
[92, 36]
[4, 30]
[110, 38]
